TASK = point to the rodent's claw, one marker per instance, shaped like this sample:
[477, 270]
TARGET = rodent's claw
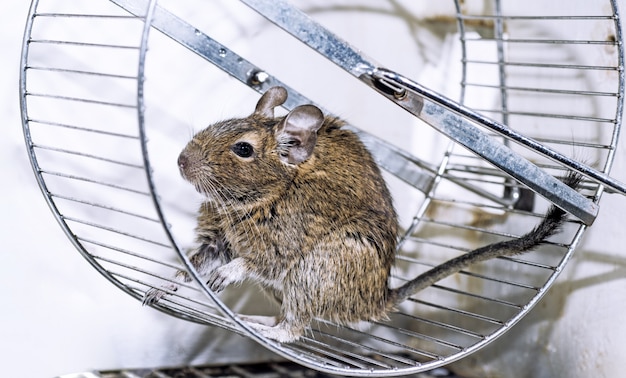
[225, 275]
[154, 295]
[217, 282]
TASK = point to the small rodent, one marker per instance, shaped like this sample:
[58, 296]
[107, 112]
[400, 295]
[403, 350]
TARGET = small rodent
[298, 204]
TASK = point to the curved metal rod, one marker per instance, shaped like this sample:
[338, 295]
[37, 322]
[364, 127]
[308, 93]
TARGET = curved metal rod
[23, 92]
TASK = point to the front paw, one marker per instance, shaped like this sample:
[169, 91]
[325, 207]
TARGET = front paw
[217, 282]
[228, 274]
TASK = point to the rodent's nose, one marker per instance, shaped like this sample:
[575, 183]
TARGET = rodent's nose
[183, 161]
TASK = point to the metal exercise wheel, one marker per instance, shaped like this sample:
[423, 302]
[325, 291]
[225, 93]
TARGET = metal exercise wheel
[559, 107]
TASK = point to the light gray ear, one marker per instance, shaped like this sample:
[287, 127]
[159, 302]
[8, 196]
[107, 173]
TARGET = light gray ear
[296, 134]
[272, 98]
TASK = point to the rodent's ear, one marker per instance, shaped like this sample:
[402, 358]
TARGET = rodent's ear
[296, 134]
[272, 98]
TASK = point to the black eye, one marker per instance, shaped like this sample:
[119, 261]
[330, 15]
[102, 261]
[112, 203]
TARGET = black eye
[243, 149]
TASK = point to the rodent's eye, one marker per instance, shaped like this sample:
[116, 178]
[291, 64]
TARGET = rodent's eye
[243, 149]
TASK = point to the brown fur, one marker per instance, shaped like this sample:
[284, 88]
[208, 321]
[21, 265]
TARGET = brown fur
[307, 214]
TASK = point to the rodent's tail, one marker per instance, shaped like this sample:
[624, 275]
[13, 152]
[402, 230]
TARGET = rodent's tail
[550, 225]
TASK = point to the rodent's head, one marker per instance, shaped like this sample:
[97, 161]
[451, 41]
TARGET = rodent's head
[250, 159]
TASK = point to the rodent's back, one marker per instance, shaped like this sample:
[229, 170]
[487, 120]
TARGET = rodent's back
[345, 175]
[354, 232]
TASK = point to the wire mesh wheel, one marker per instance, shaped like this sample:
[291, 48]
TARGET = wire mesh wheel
[84, 113]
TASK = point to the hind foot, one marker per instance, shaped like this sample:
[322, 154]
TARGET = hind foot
[280, 332]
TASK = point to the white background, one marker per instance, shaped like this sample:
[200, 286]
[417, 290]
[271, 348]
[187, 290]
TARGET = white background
[57, 315]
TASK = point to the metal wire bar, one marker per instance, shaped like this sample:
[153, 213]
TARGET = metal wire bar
[83, 44]
[477, 296]
[529, 263]
[82, 15]
[134, 268]
[421, 336]
[81, 128]
[314, 354]
[465, 313]
[478, 169]
[80, 99]
[469, 180]
[445, 326]
[361, 357]
[381, 353]
[463, 17]
[129, 253]
[542, 41]
[577, 144]
[546, 90]
[320, 349]
[115, 230]
[558, 66]
[105, 207]
[389, 342]
[80, 72]
[87, 155]
[92, 181]
[551, 115]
